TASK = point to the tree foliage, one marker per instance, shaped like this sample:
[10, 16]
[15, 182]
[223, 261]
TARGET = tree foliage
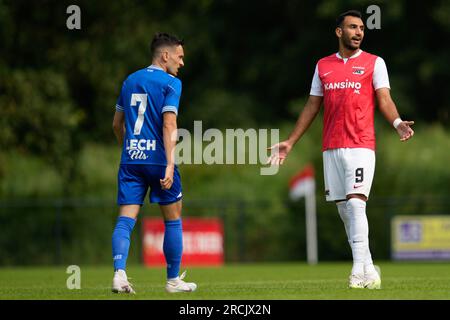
[247, 63]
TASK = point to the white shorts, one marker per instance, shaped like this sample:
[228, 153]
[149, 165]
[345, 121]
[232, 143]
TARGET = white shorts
[348, 171]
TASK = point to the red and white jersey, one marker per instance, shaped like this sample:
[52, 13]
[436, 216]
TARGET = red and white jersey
[348, 87]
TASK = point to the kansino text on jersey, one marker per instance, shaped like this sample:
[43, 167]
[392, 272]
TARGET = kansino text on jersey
[342, 85]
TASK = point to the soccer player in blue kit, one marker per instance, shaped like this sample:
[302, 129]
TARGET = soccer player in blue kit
[145, 125]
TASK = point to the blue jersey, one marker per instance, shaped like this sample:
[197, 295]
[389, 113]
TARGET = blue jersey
[145, 96]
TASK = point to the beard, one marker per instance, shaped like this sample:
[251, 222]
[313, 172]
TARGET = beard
[347, 42]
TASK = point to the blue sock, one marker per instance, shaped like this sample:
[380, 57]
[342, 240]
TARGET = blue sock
[173, 247]
[121, 241]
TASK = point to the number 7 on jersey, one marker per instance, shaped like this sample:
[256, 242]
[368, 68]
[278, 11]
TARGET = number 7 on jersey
[142, 98]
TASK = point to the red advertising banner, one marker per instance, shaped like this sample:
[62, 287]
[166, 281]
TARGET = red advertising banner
[202, 241]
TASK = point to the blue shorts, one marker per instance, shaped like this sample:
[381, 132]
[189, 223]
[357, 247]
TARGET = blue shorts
[135, 179]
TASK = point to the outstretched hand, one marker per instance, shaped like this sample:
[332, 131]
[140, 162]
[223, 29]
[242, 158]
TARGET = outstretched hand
[404, 130]
[279, 153]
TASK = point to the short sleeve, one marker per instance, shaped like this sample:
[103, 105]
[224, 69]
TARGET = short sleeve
[316, 85]
[120, 101]
[380, 75]
[172, 98]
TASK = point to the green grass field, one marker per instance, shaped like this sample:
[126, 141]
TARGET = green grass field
[406, 281]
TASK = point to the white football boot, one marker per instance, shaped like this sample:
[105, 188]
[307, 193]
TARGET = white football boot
[178, 285]
[120, 283]
[356, 281]
[372, 280]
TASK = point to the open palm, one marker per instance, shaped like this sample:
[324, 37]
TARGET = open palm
[279, 153]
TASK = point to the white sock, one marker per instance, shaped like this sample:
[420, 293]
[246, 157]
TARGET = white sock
[359, 233]
[174, 279]
[368, 263]
[345, 217]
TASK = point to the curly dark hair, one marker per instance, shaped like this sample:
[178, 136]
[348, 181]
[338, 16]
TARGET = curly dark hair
[341, 17]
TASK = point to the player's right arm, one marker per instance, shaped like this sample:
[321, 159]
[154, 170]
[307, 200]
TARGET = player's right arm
[307, 116]
[119, 126]
[119, 116]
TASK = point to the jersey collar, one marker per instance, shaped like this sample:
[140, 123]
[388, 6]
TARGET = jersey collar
[352, 57]
[155, 67]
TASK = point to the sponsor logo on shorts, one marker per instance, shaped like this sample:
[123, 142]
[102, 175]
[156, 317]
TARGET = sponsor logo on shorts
[327, 192]
[356, 186]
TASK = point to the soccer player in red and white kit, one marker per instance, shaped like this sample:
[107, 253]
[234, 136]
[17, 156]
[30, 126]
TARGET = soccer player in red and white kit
[348, 83]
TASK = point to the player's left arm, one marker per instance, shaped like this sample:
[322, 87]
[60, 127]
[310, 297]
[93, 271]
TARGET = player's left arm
[119, 126]
[389, 111]
[170, 112]
[385, 103]
[170, 141]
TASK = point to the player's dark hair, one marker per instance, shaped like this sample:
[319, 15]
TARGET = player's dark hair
[352, 13]
[162, 39]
